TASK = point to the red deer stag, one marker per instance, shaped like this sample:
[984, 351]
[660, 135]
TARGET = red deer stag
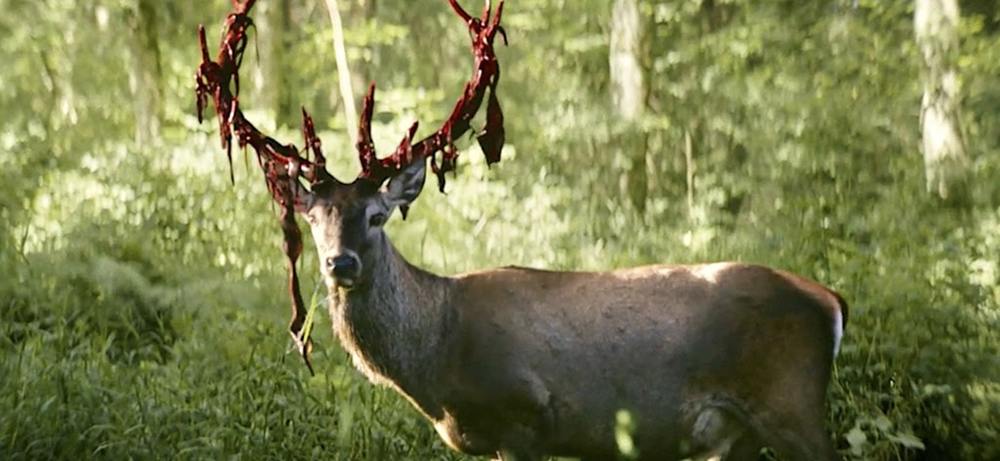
[714, 360]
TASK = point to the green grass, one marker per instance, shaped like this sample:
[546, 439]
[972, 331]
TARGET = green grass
[228, 387]
[123, 344]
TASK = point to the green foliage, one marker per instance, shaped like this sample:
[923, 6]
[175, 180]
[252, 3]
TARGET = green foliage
[142, 312]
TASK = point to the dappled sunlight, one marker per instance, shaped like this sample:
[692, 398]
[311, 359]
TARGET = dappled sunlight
[143, 307]
[625, 427]
[487, 221]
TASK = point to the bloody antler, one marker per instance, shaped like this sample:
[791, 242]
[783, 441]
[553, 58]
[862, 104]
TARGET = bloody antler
[485, 75]
[282, 164]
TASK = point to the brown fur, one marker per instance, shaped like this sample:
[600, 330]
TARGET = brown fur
[717, 359]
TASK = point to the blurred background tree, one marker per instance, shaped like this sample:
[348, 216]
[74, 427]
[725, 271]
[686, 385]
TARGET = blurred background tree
[945, 161]
[142, 311]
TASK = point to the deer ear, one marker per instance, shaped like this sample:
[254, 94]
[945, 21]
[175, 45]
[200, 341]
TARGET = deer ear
[405, 186]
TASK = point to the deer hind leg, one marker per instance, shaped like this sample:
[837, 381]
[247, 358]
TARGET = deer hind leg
[517, 454]
[796, 427]
[799, 435]
[723, 429]
[804, 443]
[715, 433]
[746, 448]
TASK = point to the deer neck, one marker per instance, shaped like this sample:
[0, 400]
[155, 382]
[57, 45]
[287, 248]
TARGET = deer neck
[396, 325]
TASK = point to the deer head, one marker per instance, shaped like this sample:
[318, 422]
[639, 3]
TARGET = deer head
[346, 218]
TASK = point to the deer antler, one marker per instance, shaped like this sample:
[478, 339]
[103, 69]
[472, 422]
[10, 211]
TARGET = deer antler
[485, 75]
[282, 164]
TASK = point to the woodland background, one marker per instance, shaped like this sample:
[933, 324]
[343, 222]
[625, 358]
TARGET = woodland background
[142, 302]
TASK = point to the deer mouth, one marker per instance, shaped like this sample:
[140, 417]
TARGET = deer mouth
[345, 269]
[345, 283]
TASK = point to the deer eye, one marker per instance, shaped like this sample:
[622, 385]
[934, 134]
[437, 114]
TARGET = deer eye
[377, 219]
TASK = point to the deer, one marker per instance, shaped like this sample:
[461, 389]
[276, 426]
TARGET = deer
[709, 361]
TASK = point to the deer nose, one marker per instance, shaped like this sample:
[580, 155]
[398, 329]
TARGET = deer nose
[345, 268]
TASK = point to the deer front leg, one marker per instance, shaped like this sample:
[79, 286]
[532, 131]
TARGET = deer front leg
[497, 414]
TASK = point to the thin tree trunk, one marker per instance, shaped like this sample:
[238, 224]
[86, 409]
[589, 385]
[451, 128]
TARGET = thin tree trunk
[343, 69]
[360, 13]
[626, 75]
[689, 169]
[285, 105]
[945, 161]
[265, 82]
[144, 76]
[628, 94]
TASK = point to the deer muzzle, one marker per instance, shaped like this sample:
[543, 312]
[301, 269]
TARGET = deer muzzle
[345, 268]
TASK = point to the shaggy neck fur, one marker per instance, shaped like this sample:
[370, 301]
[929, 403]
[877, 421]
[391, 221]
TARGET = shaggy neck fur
[396, 325]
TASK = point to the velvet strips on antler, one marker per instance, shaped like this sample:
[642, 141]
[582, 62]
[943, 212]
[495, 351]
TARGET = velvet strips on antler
[485, 76]
[285, 166]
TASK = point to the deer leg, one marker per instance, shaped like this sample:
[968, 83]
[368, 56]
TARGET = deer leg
[796, 428]
[746, 448]
[800, 437]
[793, 447]
[714, 433]
[517, 454]
[808, 444]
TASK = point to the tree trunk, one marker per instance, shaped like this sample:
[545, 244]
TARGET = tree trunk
[145, 72]
[343, 69]
[355, 13]
[266, 88]
[689, 169]
[628, 95]
[945, 161]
